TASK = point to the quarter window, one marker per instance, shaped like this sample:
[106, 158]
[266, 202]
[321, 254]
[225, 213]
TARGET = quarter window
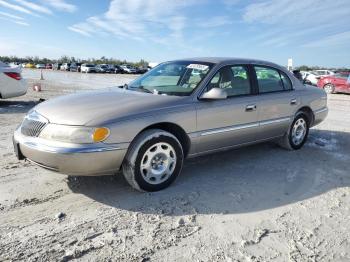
[234, 79]
[272, 80]
[286, 82]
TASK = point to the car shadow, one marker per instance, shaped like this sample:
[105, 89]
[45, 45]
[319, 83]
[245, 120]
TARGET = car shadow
[249, 179]
[15, 107]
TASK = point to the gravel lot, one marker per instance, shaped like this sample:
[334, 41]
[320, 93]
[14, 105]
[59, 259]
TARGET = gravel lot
[259, 203]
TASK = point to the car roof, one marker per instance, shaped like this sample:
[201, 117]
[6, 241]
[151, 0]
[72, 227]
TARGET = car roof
[224, 60]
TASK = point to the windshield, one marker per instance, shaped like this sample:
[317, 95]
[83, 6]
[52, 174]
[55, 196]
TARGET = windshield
[173, 78]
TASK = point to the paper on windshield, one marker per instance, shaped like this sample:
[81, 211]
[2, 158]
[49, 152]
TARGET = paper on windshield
[198, 67]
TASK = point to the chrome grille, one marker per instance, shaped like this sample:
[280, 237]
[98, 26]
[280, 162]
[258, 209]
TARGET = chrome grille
[32, 127]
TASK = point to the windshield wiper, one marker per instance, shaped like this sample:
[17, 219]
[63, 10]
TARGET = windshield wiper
[142, 89]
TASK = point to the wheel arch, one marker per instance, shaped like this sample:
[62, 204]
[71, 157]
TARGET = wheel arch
[175, 130]
[308, 112]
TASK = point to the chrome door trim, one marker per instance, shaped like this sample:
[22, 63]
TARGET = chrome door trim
[228, 129]
[245, 126]
[320, 110]
[274, 121]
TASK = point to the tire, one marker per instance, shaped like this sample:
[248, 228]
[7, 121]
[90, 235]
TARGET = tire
[154, 160]
[297, 133]
[329, 88]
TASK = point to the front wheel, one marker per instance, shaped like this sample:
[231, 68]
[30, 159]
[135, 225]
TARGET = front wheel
[297, 134]
[154, 160]
[329, 88]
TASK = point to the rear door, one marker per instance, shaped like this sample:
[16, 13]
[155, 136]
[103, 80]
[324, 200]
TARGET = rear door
[232, 121]
[277, 102]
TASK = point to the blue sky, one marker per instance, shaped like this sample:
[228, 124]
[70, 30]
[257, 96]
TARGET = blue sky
[312, 32]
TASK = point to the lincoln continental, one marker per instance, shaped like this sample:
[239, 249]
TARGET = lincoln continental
[179, 109]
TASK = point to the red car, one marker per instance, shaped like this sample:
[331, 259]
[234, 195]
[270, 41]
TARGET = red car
[339, 82]
[48, 66]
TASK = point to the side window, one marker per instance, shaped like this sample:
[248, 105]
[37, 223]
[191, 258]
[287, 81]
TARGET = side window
[269, 79]
[287, 84]
[234, 79]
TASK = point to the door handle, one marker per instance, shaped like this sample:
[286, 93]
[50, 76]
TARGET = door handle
[293, 101]
[250, 108]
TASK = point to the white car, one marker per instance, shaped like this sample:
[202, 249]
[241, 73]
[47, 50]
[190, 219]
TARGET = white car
[88, 68]
[324, 72]
[40, 66]
[11, 82]
[128, 69]
[311, 77]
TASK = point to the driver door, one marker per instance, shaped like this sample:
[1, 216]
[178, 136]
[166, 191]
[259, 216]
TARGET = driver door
[232, 121]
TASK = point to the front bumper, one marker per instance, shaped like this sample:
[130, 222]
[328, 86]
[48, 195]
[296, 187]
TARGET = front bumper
[71, 159]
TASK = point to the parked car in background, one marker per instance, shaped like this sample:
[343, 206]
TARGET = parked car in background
[111, 68]
[56, 66]
[29, 65]
[141, 70]
[311, 78]
[128, 69]
[102, 69]
[149, 127]
[40, 66]
[65, 66]
[15, 64]
[323, 72]
[118, 69]
[88, 68]
[48, 66]
[12, 83]
[339, 82]
[75, 67]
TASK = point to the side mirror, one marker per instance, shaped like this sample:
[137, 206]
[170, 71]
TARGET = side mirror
[215, 94]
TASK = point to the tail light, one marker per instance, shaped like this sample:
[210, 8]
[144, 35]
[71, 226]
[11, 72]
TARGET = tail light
[13, 75]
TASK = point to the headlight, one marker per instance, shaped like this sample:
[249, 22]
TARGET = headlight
[74, 134]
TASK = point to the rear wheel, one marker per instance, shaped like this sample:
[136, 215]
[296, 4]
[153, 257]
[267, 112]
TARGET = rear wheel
[153, 161]
[297, 134]
[329, 88]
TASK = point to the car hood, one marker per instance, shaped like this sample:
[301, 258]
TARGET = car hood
[101, 107]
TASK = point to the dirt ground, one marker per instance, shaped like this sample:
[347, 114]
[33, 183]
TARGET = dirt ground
[259, 203]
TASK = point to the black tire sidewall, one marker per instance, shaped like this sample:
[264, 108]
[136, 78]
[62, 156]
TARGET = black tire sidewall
[179, 162]
[294, 146]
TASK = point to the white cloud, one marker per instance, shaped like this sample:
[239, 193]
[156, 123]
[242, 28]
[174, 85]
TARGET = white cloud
[61, 5]
[34, 7]
[230, 3]
[11, 16]
[15, 7]
[79, 29]
[283, 22]
[19, 22]
[139, 20]
[291, 12]
[215, 21]
[331, 40]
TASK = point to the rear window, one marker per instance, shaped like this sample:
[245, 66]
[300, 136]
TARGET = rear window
[272, 80]
[269, 80]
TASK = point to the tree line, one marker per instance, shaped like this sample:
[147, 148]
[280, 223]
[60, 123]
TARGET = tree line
[67, 59]
[311, 68]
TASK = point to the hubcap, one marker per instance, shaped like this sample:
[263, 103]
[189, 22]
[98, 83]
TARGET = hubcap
[299, 131]
[328, 89]
[158, 163]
